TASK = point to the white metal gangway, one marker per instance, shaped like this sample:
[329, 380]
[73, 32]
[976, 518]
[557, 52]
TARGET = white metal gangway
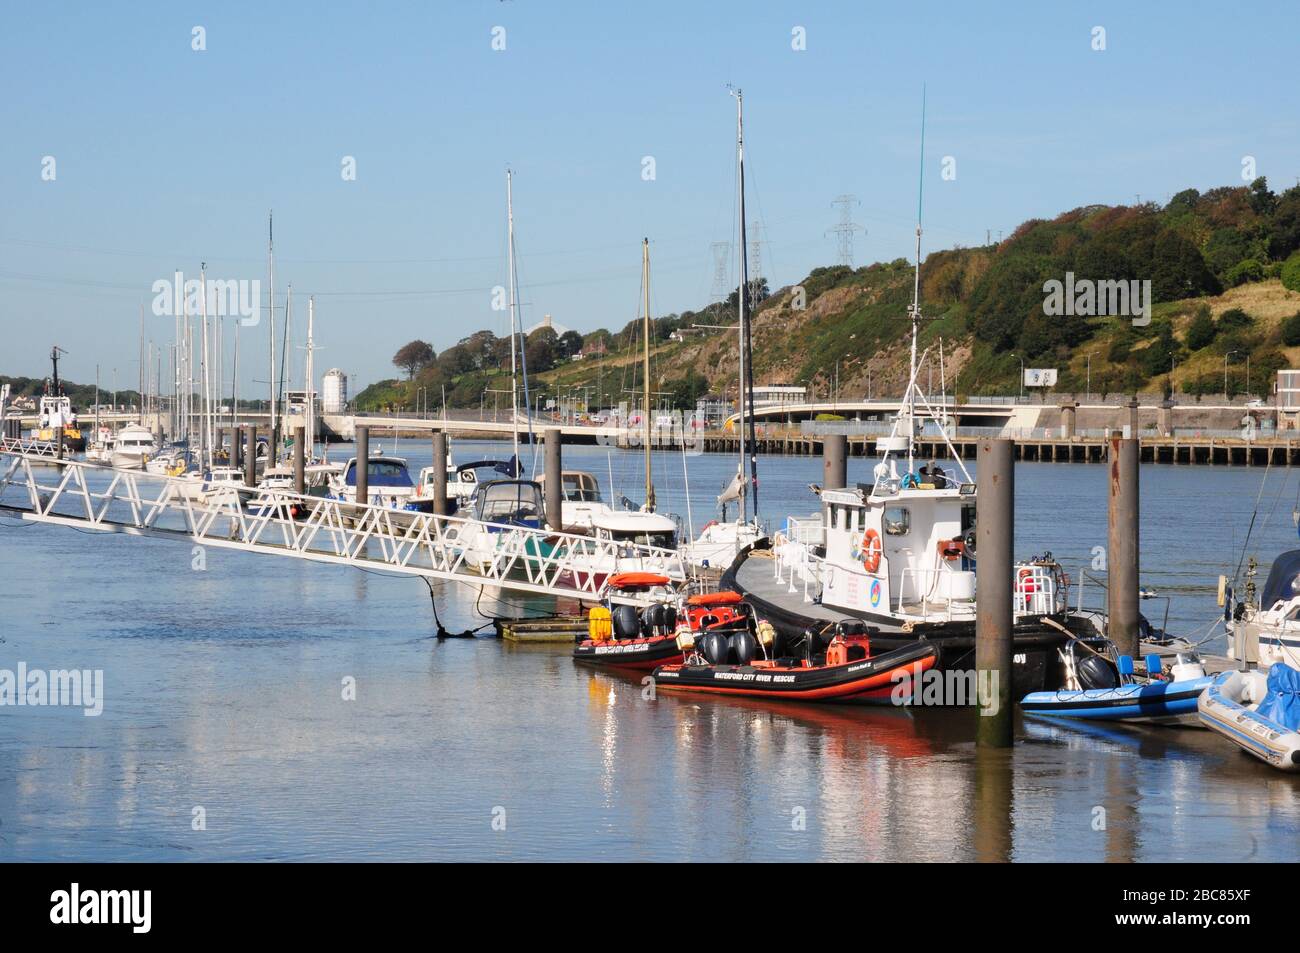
[101, 498]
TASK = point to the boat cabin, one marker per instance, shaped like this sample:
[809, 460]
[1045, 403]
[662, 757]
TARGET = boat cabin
[892, 551]
[581, 502]
[509, 503]
[636, 529]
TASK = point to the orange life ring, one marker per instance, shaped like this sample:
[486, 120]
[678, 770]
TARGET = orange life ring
[636, 580]
[951, 549]
[871, 550]
[723, 598]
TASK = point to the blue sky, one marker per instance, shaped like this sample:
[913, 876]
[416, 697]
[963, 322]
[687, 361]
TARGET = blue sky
[167, 156]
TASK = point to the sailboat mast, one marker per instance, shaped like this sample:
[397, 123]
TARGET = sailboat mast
[207, 361]
[514, 333]
[270, 253]
[310, 375]
[234, 398]
[645, 374]
[748, 440]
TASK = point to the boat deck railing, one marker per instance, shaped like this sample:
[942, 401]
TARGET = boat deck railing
[102, 498]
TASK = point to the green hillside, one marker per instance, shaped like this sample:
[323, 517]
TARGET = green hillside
[1224, 279]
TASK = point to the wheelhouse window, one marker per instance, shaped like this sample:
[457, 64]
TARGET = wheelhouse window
[665, 540]
[897, 521]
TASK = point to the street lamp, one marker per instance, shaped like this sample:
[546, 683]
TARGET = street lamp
[1022, 374]
[1088, 395]
[1225, 373]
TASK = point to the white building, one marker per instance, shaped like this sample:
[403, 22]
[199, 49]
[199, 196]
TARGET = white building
[769, 395]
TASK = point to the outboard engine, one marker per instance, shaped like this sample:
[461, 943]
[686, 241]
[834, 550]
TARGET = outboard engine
[1096, 672]
[651, 619]
[626, 623]
[744, 647]
[668, 617]
[715, 647]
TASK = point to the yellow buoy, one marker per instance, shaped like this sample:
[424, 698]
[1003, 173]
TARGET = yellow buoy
[599, 626]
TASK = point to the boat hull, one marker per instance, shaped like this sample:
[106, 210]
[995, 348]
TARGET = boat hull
[1162, 703]
[633, 655]
[873, 680]
[1035, 646]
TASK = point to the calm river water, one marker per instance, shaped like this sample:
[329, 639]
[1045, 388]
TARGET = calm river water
[224, 710]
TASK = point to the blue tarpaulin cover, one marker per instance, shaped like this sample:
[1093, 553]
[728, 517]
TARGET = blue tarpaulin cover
[1282, 702]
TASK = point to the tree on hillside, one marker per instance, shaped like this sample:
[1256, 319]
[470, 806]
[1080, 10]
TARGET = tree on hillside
[541, 350]
[413, 356]
[1178, 270]
[455, 361]
[481, 348]
[1184, 201]
[1291, 330]
[1285, 238]
[1201, 332]
[1159, 357]
[1011, 290]
[1234, 319]
[1262, 200]
[570, 343]
[1291, 273]
[684, 392]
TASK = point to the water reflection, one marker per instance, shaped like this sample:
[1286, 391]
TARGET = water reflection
[224, 690]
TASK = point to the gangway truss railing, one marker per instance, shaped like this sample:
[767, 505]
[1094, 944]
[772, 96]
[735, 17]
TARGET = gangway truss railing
[101, 498]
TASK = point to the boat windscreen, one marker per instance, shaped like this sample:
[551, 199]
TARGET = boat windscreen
[508, 502]
[382, 473]
[1283, 583]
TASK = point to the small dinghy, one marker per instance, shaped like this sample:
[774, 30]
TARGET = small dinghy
[1258, 712]
[740, 663]
[1103, 688]
[622, 634]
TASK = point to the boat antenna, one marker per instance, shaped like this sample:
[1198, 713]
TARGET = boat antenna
[914, 312]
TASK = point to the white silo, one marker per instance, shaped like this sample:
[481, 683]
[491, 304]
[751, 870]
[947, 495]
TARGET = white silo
[334, 391]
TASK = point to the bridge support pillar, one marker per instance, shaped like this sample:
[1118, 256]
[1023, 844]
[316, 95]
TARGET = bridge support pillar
[834, 461]
[1068, 419]
[1165, 419]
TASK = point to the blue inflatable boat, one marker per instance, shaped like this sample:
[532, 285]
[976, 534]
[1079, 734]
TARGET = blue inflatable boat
[1259, 711]
[1153, 700]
